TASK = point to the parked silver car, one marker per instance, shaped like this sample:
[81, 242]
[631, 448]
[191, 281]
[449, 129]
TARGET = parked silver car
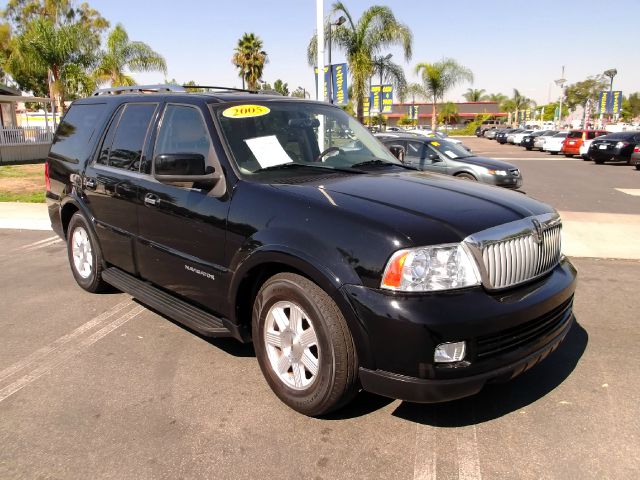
[441, 156]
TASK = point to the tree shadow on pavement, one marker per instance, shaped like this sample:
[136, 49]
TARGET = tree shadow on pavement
[496, 400]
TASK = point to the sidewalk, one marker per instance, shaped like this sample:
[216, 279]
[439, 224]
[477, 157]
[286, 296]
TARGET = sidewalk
[584, 234]
[24, 216]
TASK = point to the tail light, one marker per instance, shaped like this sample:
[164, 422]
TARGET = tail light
[637, 149]
[621, 144]
[47, 180]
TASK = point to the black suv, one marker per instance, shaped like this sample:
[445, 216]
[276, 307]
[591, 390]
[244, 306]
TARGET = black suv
[284, 222]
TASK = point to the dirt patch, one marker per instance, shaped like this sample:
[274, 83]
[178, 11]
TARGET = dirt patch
[22, 178]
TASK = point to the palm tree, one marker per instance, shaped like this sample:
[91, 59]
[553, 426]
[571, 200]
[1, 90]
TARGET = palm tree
[362, 41]
[438, 78]
[249, 58]
[474, 95]
[388, 72]
[122, 54]
[519, 102]
[54, 52]
[448, 112]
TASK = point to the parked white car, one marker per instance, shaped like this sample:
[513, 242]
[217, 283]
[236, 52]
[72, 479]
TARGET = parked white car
[517, 138]
[553, 144]
[584, 148]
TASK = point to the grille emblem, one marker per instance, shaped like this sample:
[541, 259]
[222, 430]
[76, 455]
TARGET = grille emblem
[537, 234]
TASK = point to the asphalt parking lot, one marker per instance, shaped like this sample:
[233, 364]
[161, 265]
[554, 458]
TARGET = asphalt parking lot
[97, 386]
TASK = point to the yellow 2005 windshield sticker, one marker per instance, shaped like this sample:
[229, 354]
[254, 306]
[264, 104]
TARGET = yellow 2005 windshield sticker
[245, 111]
[437, 144]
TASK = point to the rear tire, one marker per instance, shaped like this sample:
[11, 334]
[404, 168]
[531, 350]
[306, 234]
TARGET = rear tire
[637, 166]
[553, 153]
[303, 345]
[85, 256]
[568, 155]
[599, 161]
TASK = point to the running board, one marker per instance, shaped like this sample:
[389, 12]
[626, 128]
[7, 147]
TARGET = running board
[171, 306]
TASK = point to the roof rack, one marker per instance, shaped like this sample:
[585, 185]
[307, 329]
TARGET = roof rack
[138, 89]
[230, 89]
[173, 88]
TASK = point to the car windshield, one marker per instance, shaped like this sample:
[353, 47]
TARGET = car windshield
[561, 134]
[288, 137]
[449, 149]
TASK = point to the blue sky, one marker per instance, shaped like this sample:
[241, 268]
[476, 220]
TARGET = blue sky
[505, 43]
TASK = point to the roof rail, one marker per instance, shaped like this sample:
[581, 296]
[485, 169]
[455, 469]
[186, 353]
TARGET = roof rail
[138, 89]
[230, 89]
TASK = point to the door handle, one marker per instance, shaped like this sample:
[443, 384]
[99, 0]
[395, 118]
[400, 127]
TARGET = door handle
[90, 183]
[152, 199]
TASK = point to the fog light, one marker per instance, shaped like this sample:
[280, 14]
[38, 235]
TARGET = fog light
[450, 352]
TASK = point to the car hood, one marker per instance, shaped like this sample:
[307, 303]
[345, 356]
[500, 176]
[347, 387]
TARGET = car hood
[486, 162]
[417, 203]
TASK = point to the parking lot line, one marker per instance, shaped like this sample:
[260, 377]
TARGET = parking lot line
[630, 191]
[425, 462]
[468, 458]
[50, 362]
[37, 243]
[53, 346]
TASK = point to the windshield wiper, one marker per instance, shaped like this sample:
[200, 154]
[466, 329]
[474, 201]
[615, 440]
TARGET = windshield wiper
[377, 161]
[287, 166]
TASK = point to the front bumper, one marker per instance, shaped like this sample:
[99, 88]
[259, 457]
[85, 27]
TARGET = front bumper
[522, 325]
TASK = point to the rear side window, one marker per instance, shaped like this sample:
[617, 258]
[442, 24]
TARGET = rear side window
[72, 142]
[575, 135]
[123, 144]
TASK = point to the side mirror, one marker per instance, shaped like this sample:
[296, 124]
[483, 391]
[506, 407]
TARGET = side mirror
[182, 168]
[433, 156]
[397, 151]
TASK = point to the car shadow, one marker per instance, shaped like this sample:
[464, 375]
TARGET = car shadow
[494, 401]
[497, 400]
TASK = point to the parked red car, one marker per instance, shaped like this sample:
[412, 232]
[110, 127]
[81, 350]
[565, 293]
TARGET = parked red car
[574, 140]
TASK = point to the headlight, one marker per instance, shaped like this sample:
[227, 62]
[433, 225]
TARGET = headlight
[428, 269]
[502, 173]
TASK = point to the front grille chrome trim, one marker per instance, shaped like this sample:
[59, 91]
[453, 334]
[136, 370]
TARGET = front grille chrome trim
[517, 252]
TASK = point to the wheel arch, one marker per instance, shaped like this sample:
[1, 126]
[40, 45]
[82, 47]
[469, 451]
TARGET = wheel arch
[262, 265]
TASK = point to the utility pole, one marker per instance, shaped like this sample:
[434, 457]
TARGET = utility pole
[560, 82]
[320, 63]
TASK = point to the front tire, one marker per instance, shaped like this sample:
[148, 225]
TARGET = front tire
[467, 176]
[85, 257]
[303, 345]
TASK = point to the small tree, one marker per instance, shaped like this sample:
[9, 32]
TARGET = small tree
[448, 113]
[281, 87]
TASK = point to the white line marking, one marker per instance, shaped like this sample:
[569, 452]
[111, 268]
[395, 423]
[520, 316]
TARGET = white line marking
[468, 458]
[37, 243]
[630, 191]
[52, 242]
[47, 366]
[424, 465]
[53, 346]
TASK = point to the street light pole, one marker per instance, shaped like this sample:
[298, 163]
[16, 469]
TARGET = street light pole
[560, 82]
[612, 72]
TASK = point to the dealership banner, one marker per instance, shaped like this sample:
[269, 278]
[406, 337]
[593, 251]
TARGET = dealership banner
[386, 98]
[338, 82]
[609, 102]
[412, 112]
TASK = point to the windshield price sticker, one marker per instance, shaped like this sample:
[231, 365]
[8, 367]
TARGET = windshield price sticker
[435, 144]
[245, 111]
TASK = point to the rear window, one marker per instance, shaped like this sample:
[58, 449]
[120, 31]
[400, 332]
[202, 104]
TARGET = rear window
[72, 142]
[575, 134]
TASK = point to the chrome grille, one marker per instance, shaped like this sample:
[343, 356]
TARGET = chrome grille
[515, 253]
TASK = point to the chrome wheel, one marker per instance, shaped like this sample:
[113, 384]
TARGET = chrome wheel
[292, 345]
[82, 253]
